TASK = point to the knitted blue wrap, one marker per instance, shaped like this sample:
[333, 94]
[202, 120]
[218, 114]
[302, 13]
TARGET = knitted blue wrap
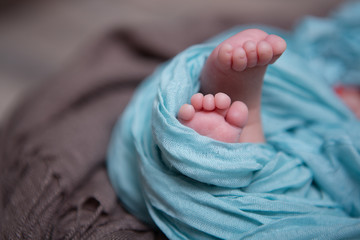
[303, 183]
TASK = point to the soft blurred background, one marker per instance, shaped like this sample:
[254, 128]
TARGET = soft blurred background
[38, 39]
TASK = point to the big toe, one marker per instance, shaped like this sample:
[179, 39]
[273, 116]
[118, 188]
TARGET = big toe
[277, 43]
[237, 114]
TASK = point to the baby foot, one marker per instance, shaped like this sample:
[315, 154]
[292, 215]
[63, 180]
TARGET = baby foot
[215, 116]
[248, 49]
[237, 67]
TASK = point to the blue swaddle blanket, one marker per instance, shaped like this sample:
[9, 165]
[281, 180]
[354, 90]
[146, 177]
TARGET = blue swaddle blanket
[303, 183]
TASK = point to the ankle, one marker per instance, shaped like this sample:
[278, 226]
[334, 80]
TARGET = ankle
[252, 133]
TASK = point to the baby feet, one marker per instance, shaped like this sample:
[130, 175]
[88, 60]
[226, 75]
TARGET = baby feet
[237, 67]
[215, 116]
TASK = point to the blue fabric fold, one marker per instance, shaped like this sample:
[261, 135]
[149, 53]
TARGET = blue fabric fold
[303, 183]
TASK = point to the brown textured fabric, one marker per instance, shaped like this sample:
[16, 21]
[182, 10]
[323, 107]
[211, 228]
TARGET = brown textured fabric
[53, 179]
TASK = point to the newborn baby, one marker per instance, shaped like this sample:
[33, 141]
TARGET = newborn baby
[234, 71]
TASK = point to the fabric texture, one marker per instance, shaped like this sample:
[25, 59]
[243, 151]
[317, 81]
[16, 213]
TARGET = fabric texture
[53, 179]
[303, 183]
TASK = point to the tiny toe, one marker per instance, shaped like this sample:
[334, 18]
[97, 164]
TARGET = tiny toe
[197, 101]
[239, 60]
[209, 102]
[278, 45]
[225, 55]
[251, 53]
[222, 101]
[186, 112]
[237, 114]
[265, 53]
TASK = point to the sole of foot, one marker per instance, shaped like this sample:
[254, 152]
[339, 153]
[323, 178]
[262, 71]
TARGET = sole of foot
[215, 116]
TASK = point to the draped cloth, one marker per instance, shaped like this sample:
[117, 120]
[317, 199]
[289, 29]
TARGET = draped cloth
[303, 183]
